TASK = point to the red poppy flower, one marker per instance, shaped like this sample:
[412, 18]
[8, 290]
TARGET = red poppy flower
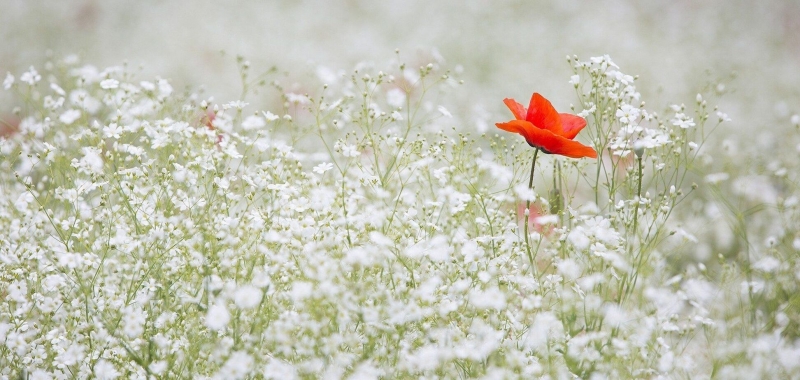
[544, 128]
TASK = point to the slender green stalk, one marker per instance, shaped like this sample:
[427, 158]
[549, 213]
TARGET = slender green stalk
[528, 211]
[638, 266]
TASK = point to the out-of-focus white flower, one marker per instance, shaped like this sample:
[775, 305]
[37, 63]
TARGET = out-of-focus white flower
[23, 201]
[69, 116]
[238, 366]
[277, 369]
[109, 84]
[58, 90]
[575, 80]
[715, 178]
[158, 367]
[30, 77]
[147, 86]
[297, 98]
[350, 151]
[491, 298]
[104, 370]
[9, 81]
[253, 122]
[444, 111]
[217, 317]
[247, 297]
[164, 88]
[270, 116]
[92, 161]
[396, 98]
[236, 104]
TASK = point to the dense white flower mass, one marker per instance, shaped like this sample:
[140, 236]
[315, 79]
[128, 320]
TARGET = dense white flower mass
[366, 233]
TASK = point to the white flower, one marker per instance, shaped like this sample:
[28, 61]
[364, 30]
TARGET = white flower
[715, 178]
[350, 151]
[164, 88]
[628, 114]
[69, 116]
[112, 131]
[92, 160]
[236, 104]
[253, 122]
[247, 297]
[444, 111]
[681, 120]
[30, 77]
[8, 81]
[109, 84]
[133, 321]
[105, 370]
[323, 167]
[277, 369]
[238, 366]
[575, 80]
[147, 86]
[23, 201]
[217, 317]
[795, 120]
[492, 298]
[57, 89]
[396, 98]
[297, 98]
[158, 367]
[39, 374]
[270, 116]
[73, 354]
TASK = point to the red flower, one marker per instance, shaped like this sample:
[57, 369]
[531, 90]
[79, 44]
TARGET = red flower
[544, 128]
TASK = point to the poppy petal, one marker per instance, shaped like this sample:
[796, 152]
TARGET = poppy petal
[572, 124]
[516, 126]
[555, 144]
[517, 109]
[543, 115]
[574, 149]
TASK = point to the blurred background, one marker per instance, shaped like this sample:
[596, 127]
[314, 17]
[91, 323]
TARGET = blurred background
[506, 48]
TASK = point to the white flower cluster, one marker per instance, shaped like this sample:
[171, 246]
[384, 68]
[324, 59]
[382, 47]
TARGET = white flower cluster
[356, 233]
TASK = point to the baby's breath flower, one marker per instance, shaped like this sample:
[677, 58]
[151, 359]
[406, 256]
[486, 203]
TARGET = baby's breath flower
[31, 77]
[394, 97]
[270, 116]
[70, 116]
[104, 370]
[8, 81]
[323, 167]
[683, 121]
[247, 297]
[108, 84]
[444, 111]
[253, 122]
[217, 317]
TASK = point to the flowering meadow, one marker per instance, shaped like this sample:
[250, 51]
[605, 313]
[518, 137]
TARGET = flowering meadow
[401, 189]
[361, 230]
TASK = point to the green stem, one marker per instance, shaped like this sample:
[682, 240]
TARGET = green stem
[638, 266]
[527, 213]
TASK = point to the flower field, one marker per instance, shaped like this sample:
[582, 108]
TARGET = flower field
[395, 213]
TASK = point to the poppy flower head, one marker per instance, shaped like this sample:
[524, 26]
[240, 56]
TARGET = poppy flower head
[544, 128]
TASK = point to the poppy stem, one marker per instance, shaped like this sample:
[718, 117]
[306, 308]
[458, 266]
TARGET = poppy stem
[528, 213]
